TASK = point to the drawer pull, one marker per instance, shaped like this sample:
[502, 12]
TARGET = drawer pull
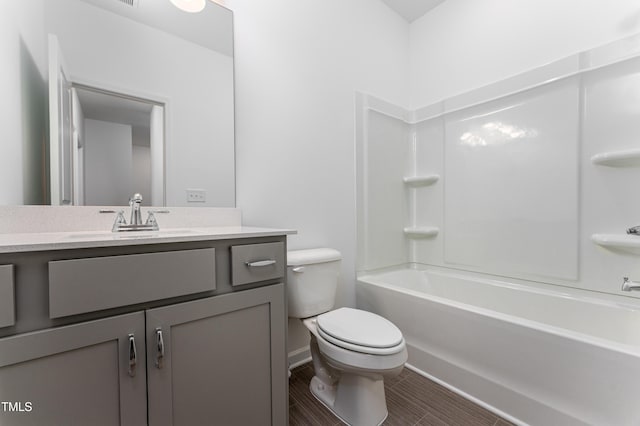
[133, 355]
[260, 263]
[160, 348]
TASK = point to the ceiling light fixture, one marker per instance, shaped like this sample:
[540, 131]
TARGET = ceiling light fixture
[191, 6]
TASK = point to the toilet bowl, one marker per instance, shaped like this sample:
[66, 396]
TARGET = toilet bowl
[353, 351]
[349, 373]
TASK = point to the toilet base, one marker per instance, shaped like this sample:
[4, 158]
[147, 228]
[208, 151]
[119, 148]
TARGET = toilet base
[353, 394]
[354, 399]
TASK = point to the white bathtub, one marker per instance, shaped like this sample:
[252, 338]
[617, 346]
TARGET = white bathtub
[539, 356]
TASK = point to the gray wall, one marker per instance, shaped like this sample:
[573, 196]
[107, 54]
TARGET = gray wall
[108, 163]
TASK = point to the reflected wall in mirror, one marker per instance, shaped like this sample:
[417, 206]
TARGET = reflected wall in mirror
[181, 63]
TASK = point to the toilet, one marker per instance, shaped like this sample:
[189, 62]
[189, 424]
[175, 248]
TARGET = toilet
[353, 351]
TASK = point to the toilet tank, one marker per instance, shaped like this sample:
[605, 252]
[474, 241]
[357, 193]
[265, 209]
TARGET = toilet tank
[312, 280]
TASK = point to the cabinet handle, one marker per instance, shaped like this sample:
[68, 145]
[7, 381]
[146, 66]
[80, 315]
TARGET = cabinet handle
[133, 355]
[160, 348]
[260, 263]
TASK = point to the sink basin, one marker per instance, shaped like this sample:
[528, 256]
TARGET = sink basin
[129, 234]
[153, 234]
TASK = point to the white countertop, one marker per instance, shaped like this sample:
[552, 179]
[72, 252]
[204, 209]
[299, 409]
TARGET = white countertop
[43, 241]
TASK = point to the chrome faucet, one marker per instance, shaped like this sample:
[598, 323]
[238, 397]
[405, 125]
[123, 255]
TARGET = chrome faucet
[136, 215]
[135, 224]
[628, 285]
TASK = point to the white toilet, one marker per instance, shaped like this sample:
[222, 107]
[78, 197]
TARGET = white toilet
[352, 350]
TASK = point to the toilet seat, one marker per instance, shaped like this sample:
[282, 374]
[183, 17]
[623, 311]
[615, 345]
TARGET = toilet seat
[360, 360]
[360, 331]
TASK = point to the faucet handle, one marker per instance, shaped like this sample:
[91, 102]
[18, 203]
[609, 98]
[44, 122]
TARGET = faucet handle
[151, 219]
[152, 222]
[120, 221]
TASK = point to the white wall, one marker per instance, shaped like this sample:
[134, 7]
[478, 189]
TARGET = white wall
[298, 65]
[461, 45]
[141, 172]
[22, 84]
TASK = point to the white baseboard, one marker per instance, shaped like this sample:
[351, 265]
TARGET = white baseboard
[299, 357]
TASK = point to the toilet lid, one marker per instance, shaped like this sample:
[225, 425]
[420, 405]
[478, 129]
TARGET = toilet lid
[360, 330]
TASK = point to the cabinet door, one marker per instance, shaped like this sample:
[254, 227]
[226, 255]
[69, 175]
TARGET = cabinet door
[75, 375]
[222, 361]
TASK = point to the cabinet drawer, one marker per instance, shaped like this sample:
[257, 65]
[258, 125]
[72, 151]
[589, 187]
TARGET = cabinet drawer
[84, 285]
[7, 298]
[256, 262]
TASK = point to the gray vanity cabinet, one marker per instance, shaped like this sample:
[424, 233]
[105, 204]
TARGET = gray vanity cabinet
[218, 361]
[77, 374]
[208, 350]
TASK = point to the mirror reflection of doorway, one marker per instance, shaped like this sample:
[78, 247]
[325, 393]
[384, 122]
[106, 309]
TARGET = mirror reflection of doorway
[104, 146]
[118, 148]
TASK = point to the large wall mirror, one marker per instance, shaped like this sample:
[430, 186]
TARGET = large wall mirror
[140, 99]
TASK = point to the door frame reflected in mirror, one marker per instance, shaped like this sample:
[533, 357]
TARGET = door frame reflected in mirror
[71, 183]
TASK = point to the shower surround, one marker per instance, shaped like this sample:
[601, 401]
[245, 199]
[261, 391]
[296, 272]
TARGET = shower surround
[529, 180]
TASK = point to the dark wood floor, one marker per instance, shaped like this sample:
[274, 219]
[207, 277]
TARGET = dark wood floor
[411, 400]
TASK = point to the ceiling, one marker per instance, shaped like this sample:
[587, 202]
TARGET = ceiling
[211, 28]
[412, 9]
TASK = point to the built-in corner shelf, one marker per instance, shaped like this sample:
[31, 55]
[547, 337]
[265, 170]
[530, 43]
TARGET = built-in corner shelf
[420, 180]
[628, 158]
[421, 232]
[625, 242]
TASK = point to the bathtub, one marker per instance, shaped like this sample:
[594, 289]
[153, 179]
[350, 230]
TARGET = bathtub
[536, 355]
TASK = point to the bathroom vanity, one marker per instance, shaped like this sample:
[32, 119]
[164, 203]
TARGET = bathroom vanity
[177, 328]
